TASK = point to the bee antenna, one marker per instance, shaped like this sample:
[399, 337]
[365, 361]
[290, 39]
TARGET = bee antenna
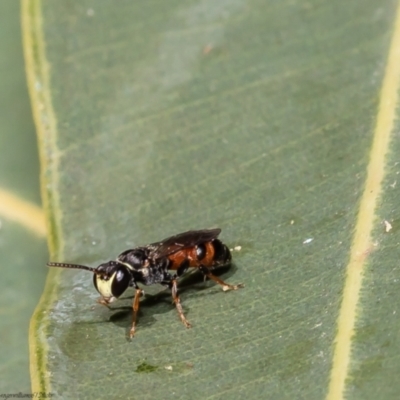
[74, 266]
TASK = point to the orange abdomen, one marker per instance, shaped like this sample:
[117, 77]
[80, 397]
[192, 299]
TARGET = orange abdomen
[209, 254]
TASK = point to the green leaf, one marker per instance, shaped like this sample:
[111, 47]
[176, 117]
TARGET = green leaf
[22, 244]
[259, 118]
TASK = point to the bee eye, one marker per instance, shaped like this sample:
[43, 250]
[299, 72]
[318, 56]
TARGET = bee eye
[120, 281]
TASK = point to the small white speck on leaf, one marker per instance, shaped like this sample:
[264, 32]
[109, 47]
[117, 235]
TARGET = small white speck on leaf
[388, 226]
[168, 367]
[90, 12]
[237, 248]
[309, 240]
[292, 222]
[393, 185]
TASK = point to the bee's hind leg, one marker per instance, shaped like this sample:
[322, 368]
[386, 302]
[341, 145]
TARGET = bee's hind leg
[225, 286]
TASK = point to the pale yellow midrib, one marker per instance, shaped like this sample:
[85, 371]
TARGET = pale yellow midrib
[361, 245]
[23, 212]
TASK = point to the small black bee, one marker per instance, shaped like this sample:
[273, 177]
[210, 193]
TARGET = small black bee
[150, 264]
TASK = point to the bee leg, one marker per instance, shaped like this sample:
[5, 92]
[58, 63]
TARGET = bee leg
[104, 302]
[174, 289]
[135, 307]
[225, 286]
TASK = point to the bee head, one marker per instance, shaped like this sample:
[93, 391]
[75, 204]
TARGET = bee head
[110, 279]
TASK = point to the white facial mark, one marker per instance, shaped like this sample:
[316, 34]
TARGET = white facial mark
[104, 287]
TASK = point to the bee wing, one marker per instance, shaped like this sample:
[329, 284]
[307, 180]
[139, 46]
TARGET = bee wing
[183, 240]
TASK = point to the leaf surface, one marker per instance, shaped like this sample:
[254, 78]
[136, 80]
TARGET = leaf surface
[160, 117]
[22, 243]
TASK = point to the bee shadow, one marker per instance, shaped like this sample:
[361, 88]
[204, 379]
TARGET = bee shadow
[190, 285]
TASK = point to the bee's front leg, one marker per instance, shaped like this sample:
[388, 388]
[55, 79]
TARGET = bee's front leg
[135, 307]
